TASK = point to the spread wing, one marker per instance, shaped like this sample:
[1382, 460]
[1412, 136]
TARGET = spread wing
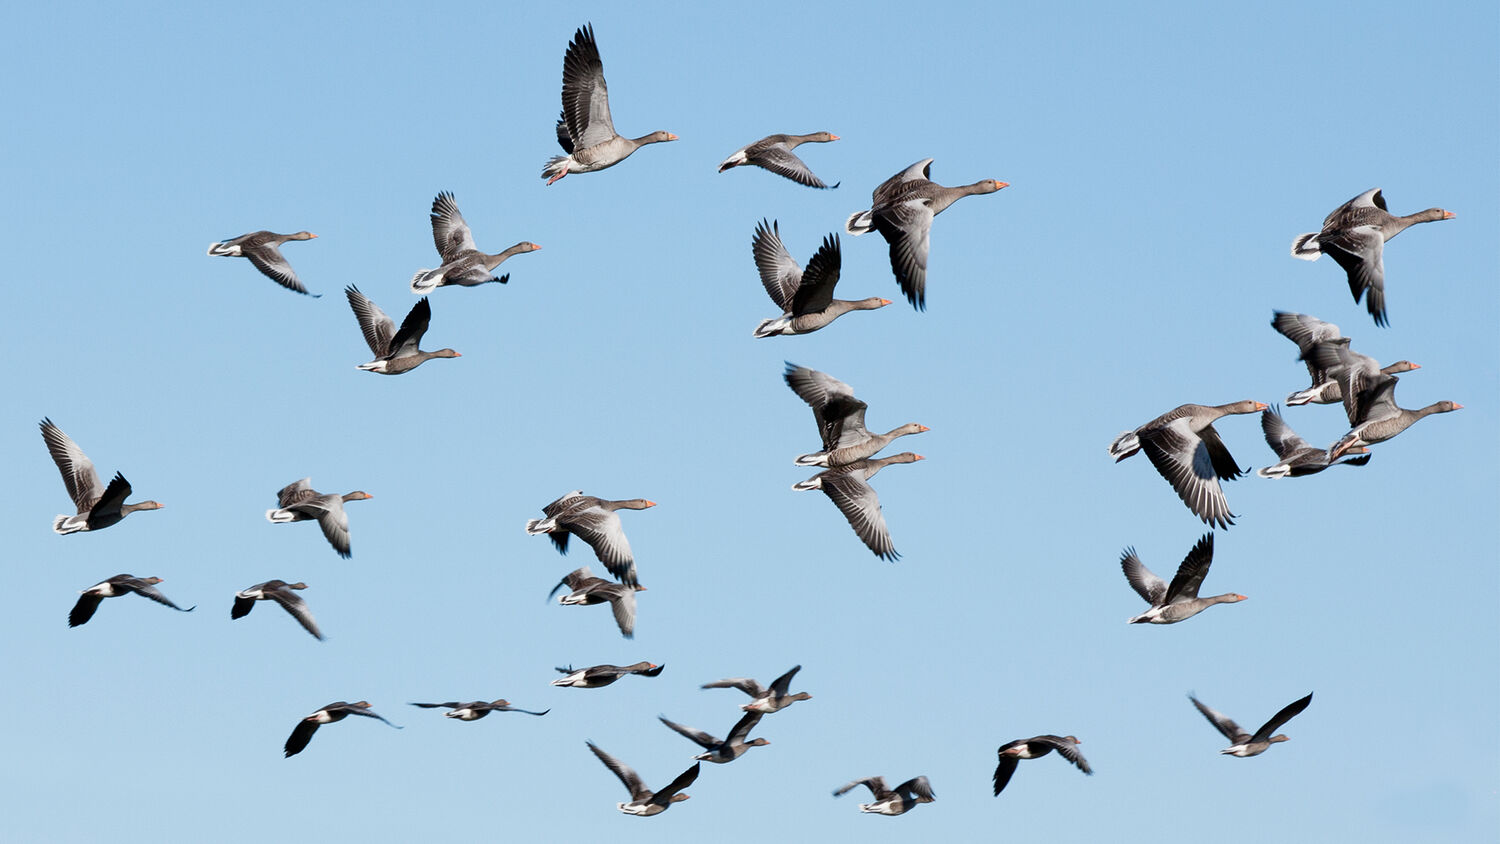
[77, 470]
[857, 500]
[293, 603]
[627, 775]
[1145, 583]
[1185, 461]
[704, 740]
[1287, 713]
[450, 233]
[1222, 723]
[1279, 435]
[783, 162]
[1361, 252]
[779, 273]
[585, 97]
[816, 290]
[907, 227]
[1194, 568]
[272, 264]
[376, 326]
[295, 492]
[409, 337]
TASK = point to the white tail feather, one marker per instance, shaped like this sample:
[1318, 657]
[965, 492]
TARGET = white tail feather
[1124, 445]
[860, 222]
[1306, 247]
[424, 281]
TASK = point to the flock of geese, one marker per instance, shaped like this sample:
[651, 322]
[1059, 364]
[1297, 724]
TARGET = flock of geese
[1182, 444]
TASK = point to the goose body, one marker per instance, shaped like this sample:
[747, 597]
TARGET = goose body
[121, 584]
[263, 248]
[333, 712]
[588, 590]
[598, 676]
[849, 489]
[1370, 400]
[728, 749]
[299, 502]
[643, 801]
[902, 210]
[396, 351]
[774, 153]
[1011, 754]
[474, 710]
[891, 801]
[586, 131]
[98, 506]
[596, 522]
[1246, 744]
[1177, 601]
[804, 296]
[463, 264]
[1186, 450]
[764, 700]
[1354, 235]
[282, 593]
[1309, 332]
[840, 418]
[1296, 457]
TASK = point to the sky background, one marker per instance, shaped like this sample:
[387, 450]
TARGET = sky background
[1160, 160]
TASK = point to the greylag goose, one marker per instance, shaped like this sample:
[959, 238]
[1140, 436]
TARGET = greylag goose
[762, 699]
[263, 248]
[336, 711]
[1297, 457]
[299, 502]
[595, 521]
[1327, 384]
[1011, 754]
[1354, 235]
[840, 417]
[1184, 447]
[891, 801]
[588, 590]
[282, 593]
[774, 153]
[585, 131]
[644, 801]
[120, 584]
[902, 210]
[395, 351]
[805, 297]
[463, 263]
[727, 750]
[1244, 744]
[1380, 418]
[849, 489]
[99, 506]
[474, 710]
[1178, 601]
[598, 676]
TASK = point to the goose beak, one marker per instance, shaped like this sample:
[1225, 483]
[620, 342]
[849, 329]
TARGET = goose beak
[650, 503]
[832, 137]
[1448, 215]
[1260, 405]
[999, 184]
[671, 137]
[923, 428]
[884, 302]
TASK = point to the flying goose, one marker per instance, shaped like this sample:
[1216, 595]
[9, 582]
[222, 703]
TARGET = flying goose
[1243, 743]
[299, 502]
[282, 593]
[99, 506]
[463, 264]
[598, 676]
[804, 296]
[595, 521]
[474, 710]
[730, 748]
[891, 801]
[644, 801]
[774, 153]
[263, 250]
[395, 351]
[1184, 447]
[1178, 601]
[1011, 754]
[840, 418]
[121, 584]
[849, 489]
[762, 699]
[336, 711]
[588, 590]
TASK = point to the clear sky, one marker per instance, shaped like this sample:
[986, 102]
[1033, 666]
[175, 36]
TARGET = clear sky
[1161, 159]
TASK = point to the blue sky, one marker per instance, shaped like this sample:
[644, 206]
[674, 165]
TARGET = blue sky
[1160, 160]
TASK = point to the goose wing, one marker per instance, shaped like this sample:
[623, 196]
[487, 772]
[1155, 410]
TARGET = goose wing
[1190, 573]
[450, 232]
[375, 325]
[1286, 714]
[815, 293]
[857, 500]
[77, 470]
[1145, 583]
[585, 97]
[1222, 722]
[779, 273]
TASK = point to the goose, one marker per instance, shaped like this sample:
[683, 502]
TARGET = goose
[1178, 601]
[395, 351]
[1308, 332]
[1011, 754]
[763, 700]
[805, 297]
[263, 248]
[1245, 744]
[1297, 458]
[643, 801]
[474, 710]
[840, 418]
[282, 593]
[598, 676]
[585, 131]
[727, 750]
[891, 801]
[588, 590]
[774, 153]
[1380, 418]
[902, 209]
[1184, 447]
[299, 502]
[336, 711]
[463, 264]
[849, 489]
[121, 584]
[1354, 235]
[99, 506]
[595, 521]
